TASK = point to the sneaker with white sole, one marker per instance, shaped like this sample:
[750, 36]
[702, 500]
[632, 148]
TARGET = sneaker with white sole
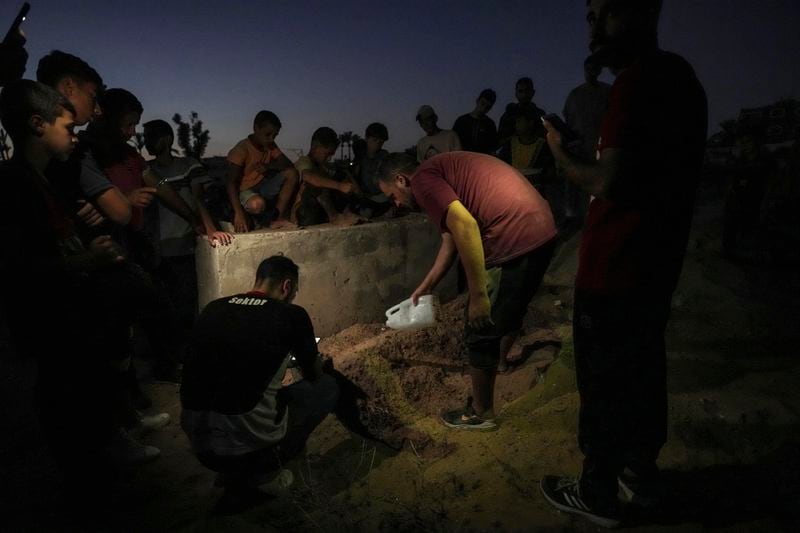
[125, 450]
[641, 491]
[467, 418]
[564, 494]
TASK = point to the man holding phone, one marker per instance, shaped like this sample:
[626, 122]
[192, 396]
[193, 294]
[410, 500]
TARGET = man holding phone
[650, 156]
[13, 56]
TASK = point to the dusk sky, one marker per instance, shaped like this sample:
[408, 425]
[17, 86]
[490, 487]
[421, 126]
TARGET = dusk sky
[345, 64]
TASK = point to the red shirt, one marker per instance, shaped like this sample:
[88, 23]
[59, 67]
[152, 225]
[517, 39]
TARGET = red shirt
[512, 216]
[127, 176]
[637, 239]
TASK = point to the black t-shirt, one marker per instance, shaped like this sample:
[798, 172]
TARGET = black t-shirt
[476, 134]
[238, 345]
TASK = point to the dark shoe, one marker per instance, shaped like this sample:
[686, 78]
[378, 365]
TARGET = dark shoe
[639, 490]
[467, 418]
[564, 494]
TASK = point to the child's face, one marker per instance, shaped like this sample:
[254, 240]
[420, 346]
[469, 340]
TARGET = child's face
[128, 123]
[322, 154]
[83, 97]
[156, 145]
[59, 137]
[265, 135]
[374, 145]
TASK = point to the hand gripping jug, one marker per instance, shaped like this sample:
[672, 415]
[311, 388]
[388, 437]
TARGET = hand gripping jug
[406, 315]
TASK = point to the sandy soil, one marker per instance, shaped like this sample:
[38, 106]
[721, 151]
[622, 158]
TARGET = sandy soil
[731, 461]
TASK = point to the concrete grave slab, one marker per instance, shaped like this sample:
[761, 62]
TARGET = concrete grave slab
[348, 275]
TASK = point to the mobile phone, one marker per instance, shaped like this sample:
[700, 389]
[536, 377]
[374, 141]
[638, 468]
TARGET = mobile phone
[172, 179]
[13, 31]
[567, 135]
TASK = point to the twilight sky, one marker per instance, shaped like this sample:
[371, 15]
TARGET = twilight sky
[345, 64]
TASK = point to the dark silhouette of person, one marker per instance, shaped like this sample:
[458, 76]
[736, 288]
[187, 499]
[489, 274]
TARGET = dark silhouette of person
[651, 151]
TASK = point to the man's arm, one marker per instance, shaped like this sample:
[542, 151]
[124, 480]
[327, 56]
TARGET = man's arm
[444, 261]
[170, 198]
[320, 180]
[467, 239]
[198, 192]
[114, 205]
[597, 178]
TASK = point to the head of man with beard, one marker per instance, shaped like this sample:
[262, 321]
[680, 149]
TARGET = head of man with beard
[621, 30]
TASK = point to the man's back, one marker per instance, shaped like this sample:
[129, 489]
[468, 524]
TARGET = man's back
[512, 216]
[236, 359]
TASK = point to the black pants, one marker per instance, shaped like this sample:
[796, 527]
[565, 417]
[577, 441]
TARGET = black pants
[620, 361]
[510, 294]
[308, 404]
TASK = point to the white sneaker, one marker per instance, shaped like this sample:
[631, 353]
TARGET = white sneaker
[125, 450]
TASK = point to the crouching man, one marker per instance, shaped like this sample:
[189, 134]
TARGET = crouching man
[239, 420]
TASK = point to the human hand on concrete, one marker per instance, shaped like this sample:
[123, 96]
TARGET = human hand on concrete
[282, 223]
[347, 219]
[222, 238]
[240, 222]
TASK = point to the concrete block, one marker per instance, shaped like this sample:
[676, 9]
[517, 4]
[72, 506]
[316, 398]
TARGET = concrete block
[348, 275]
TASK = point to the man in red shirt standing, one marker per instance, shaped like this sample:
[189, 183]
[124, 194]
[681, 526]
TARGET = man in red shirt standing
[643, 184]
[502, 231]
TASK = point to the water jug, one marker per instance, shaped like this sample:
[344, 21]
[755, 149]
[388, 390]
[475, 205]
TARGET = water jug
[406, 315]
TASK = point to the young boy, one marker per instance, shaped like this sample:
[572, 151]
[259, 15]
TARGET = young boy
[54, 310]
[324, 193]
[527, 149]
[367, 171]
[261, 179]
[176, 237]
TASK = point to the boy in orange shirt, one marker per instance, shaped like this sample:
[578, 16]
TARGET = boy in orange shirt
[261, 179]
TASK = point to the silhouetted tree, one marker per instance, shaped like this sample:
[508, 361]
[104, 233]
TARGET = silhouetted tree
[345, 139]
[192, 138]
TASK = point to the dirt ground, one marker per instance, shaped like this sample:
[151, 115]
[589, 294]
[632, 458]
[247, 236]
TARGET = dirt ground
[732, 461]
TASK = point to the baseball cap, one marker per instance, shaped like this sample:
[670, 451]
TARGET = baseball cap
[425, 111]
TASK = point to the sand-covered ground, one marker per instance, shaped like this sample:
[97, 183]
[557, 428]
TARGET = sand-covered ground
[732, 461]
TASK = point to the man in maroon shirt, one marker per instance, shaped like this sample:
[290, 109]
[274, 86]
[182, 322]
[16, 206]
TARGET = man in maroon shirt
[643, 185]
[504, 234]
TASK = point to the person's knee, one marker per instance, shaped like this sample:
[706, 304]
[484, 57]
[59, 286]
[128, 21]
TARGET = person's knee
[255, 205]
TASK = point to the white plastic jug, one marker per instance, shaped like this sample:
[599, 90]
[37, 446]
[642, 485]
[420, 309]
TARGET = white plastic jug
[406, 315]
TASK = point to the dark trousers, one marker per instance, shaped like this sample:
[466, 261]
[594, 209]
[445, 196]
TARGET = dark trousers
[510, 294]
[620, 362]
[308, 404]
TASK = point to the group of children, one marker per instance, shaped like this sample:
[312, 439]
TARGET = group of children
[265, 189]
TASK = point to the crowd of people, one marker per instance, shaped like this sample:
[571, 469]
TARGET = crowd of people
[103, 245]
